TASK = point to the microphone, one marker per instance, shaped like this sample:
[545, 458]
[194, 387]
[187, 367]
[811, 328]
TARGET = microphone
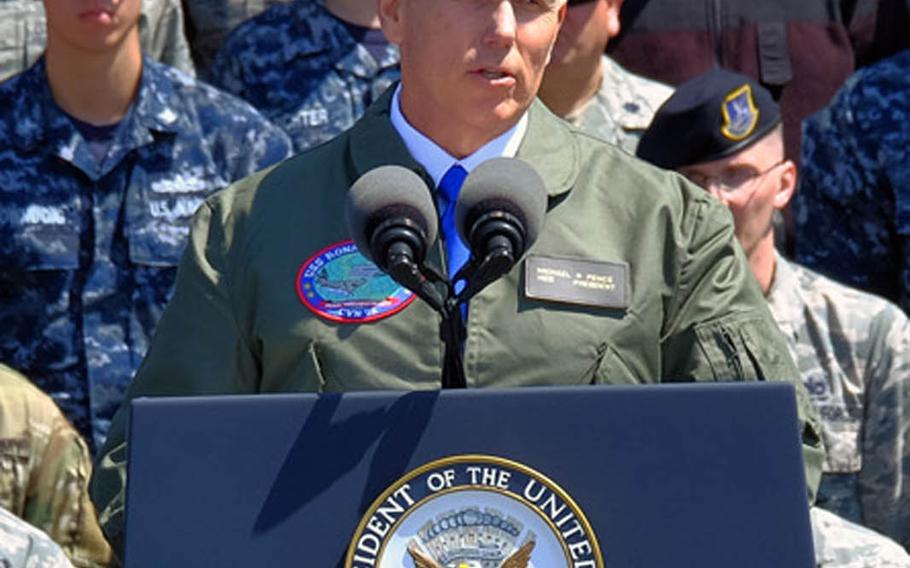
[392, 220]
[499, 214]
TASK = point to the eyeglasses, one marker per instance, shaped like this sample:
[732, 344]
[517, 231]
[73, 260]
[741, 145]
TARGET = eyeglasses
[732, 181]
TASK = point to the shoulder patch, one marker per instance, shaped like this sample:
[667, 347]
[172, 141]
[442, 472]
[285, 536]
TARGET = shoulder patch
[341, 285]
[740, 114]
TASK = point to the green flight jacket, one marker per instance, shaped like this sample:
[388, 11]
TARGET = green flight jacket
[236, 325]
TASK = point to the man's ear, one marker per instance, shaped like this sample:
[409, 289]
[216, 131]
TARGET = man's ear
[613, 25]
[787, 185]
[390, 17]
[562, 12]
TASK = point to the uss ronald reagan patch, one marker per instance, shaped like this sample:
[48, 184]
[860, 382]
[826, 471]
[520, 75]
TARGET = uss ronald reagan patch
[474, 511]
[339, 284]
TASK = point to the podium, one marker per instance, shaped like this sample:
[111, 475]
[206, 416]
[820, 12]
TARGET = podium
[622, 477]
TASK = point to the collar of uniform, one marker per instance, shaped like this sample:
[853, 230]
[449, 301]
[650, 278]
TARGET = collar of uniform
[783, 296]
[548, 145]
[159, 107]
[551, 148]
[437, 161]
[374, 141]
[630, 100]
[311, 18]
[35, 117]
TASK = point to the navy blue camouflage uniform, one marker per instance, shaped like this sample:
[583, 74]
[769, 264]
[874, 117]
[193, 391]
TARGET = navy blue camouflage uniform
[88, 249]
[299, 65]
[852, 209]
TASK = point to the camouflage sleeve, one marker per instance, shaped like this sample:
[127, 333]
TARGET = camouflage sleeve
[843, 206]
[719, 325]
[21, 545]
[839, 543]
[884, 480]
[202, 308]
[162, 34]
[58, 501]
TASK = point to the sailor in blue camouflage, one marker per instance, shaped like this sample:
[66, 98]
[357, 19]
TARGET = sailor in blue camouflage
[23, 34]
[300, 66]
[89, 247]
[852, 209]
[210, 21]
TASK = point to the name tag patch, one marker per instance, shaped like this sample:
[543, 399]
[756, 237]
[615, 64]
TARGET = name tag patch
[582, 282]
[341, 285]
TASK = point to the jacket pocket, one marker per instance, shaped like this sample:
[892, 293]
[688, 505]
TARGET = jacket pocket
[736, 349]
[159, 210]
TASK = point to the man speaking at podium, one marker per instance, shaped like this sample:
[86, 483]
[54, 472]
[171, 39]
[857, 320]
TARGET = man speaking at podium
[271, 297]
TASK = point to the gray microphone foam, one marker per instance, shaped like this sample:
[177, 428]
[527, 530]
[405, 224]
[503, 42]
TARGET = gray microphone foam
[384, 193]
[503, 183]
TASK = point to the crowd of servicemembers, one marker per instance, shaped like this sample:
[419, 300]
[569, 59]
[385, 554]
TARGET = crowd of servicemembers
[122, 120]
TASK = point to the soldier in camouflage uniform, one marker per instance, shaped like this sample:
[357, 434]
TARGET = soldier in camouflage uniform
[589, 89]
[852, 348]
[23, 36]
[304, 68]
[100, 174]
[210, 21]
[44, 471]
[23, 546]
[853, 207]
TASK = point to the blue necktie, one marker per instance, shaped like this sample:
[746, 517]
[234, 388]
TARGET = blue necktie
[457, 253]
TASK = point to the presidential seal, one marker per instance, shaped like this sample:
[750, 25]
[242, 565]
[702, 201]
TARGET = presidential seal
[474, 511]
[341, 285]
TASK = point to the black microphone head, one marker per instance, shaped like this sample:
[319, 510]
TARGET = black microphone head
[504, 184]
[387, 193]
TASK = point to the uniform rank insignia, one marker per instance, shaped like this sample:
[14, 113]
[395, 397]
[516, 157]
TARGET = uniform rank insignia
[341, 285]
[474, 511]
[740, 114]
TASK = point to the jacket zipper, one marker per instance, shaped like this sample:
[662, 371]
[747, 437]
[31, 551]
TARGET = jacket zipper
[715, 29]
[733, 355]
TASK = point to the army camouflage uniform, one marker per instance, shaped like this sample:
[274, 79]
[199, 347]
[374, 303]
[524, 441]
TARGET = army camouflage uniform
[23, 34]
[299, 66]
[23, 546]
[44, 472]
[841, 544]
[853, 354]
[88, 250]
[623, 107]
[210, 21]
[852, 209]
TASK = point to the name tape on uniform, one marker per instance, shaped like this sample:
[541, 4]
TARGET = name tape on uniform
[583, 282]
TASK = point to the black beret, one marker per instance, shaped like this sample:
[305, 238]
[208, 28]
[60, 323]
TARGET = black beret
[709, 117]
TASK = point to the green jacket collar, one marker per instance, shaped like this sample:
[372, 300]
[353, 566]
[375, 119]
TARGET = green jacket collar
[548, 145]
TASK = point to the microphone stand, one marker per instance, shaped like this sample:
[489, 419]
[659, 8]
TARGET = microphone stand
[439, 292]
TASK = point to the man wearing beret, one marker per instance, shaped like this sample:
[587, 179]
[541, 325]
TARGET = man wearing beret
[250, 315]
[722, 131]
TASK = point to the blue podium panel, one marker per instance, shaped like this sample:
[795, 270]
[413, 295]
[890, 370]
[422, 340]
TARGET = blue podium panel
[698, 475]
